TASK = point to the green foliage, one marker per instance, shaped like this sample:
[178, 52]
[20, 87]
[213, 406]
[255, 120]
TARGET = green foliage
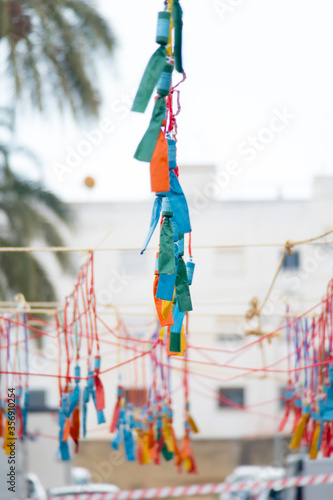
[53, 46]
[28, 213]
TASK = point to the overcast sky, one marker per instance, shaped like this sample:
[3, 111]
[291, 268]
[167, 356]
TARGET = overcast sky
[248, 63]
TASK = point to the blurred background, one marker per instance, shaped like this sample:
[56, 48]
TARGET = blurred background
[255, 159]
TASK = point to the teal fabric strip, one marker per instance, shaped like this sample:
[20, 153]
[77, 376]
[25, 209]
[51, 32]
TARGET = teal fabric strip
[166, 255]
[145, 149]
[177, 15]
[149, 80]
[182, 288]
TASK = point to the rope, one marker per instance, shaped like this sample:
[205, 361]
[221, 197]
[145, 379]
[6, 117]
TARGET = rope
[255, 310]
[288, 246]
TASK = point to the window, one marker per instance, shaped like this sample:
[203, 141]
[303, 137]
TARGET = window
[138, 397]
[230, 397]
[228, 331]
[37, 402]
[230, 338]
[291, 262]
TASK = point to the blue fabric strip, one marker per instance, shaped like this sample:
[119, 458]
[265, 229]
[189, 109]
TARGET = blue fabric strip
[155, 216]
[166, 286]
[178, 318]
[179, 205]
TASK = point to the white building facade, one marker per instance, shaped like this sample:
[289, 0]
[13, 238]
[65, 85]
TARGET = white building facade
[225, 280]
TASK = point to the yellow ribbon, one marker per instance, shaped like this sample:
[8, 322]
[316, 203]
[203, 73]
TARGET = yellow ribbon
[169, 46]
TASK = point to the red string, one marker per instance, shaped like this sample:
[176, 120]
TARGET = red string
[66, 346]
[59, 358]
[263, 369]
[93, 302]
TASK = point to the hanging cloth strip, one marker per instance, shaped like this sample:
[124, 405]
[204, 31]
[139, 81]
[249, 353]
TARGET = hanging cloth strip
[155, 216]
[146, 148]
[159, 166]
[182, 288]
[149, 80]
[175, 332]
[166, 283]
[166, 256]
[177, 14]
[179, 205]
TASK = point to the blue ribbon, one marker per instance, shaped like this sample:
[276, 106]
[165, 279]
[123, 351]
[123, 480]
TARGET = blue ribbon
[129, 445]
[154, 221]
[63, 445]
[179, 205]
[25, 411]
[73, 400]
[86, 394]
[178, 318]
[100, 413]
[166, 286]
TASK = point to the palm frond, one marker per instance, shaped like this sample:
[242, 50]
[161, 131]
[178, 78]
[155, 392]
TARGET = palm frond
[32, 73]
[7, 118]
[29, 213]
[30, 223]
[22, 273]
[57, 55]
[94, 27]
[13, 68]
[34, 192]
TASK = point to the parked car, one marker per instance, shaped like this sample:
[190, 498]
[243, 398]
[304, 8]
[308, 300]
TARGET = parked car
[271, 495]
[301, 465]
[34, 487]
[253, 473]
[80, 489]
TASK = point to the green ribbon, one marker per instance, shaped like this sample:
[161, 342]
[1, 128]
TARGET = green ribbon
[182, 288]
[166, 255]
[145, 149]
[177, 15]
[175, 342]
[168, 455]
[149, 80]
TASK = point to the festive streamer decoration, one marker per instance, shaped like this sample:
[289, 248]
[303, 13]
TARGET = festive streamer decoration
[83, 312]
[145, 428]
[309, 396]
[158, 146]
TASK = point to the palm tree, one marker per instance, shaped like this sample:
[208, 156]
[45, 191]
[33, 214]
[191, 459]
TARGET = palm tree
[52, 48]
[28, 213]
